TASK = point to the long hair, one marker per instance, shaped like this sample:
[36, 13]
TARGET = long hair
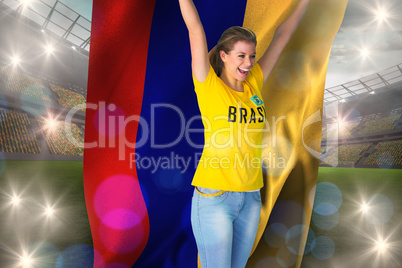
[226, 42]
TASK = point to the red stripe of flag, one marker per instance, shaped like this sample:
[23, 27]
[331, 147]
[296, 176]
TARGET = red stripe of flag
[116, 209]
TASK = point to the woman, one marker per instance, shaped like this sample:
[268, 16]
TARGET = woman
[226, 203]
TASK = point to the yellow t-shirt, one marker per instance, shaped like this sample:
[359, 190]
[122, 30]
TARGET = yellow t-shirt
[233, 123]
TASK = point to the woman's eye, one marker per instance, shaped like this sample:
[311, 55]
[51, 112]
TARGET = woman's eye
[252, 56]
[241, 56]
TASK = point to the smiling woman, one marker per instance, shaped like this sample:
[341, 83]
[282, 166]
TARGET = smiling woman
[226, 204]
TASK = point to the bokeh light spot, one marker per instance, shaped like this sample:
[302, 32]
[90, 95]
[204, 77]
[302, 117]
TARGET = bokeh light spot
[275, 235]
[328, 199]
[119, 192]
[76, 256]
[122, 241]
[293, 237]
[285, 258]
[326, 222]
[381, 209]
[121, 219]
[169, 180]
[323, 248]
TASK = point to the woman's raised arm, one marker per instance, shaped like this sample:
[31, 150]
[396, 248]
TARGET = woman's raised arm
[198, 41]
[281, 37]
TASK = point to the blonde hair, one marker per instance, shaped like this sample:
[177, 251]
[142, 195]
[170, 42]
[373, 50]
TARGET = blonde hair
[226, 42]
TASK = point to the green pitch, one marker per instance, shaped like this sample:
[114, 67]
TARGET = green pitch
[41, 185]
[362, 236]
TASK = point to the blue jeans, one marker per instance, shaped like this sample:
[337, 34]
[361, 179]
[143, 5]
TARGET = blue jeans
[224, 225]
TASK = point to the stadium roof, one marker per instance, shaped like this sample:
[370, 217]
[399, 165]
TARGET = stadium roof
[366, 84]
[54, 16]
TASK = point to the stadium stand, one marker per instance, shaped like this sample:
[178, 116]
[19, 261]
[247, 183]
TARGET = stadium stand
[25, 84]
[346, 154]
[388, 153]
[59, 141]
[325, 150]
[340, 130]
[14, 133]
[67, 98]
[379, 125]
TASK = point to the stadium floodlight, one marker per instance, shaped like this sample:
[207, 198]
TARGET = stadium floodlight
[381, 15]
[15, 60]
[51, 124]
[372, 92]
[49, 49]
[364, 52]
[342, 100]
[26, 261]
[49, 211]
[365, 208]
[381, 246]
[16, 200]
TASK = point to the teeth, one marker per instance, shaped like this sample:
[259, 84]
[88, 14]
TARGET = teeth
[244, 70]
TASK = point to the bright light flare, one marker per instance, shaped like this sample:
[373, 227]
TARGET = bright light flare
[49, 49]
[16, 200]
[26, 261]
[381, 15]
[365, 208]
[49, 211]
[15, 60]
[381, 246]
[51, 124]
[364, 52]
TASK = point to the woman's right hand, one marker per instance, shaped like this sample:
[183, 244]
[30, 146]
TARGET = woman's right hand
[198, 41]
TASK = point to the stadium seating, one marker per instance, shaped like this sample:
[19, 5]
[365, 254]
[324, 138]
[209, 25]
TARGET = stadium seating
[379, 125]
[14, 134]
[68, 98]
[25, 84]
[335, 130]
[346, 154]
[60, 142]
[387, 153]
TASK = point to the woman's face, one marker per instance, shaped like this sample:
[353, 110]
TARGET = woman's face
[239, 61]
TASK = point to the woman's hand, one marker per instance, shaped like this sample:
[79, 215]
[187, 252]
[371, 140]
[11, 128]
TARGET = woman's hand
[198, 41]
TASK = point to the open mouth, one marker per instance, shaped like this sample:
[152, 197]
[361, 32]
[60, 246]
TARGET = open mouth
[243, 71]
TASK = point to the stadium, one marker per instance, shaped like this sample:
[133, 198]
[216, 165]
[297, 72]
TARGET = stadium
[43, 91]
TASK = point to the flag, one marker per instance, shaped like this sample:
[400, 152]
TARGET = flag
[144, 137]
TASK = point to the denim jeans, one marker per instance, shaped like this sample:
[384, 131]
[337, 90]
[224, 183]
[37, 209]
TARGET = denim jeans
[224, 225]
